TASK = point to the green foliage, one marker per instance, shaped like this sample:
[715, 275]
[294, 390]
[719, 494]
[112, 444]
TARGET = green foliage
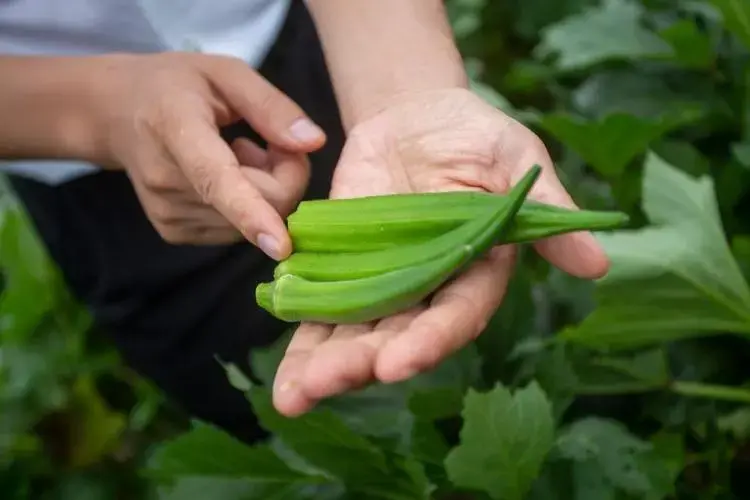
[58, 429]
[631, 387]
[507, 435]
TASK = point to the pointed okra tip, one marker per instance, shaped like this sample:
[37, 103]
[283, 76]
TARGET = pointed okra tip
[264, 293]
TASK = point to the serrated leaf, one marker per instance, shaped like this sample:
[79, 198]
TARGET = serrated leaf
[736, 16]
[674, 279]
[609, 31]
[606, 449]
[610, 143]
[322, 439]
[504, 441]
[594, 373]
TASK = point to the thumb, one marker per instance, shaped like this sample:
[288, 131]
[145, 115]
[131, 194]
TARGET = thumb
[275, 116]
[577, 253]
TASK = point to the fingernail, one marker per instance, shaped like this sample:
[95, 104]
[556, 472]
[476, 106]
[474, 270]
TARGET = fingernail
[286, 387]
[305, 130]
[269, 245]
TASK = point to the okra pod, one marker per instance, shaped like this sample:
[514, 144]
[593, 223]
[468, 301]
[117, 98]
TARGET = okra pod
[293, 298]
[391, 221]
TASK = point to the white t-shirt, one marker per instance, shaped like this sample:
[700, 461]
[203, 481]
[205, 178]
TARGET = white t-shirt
[241, 28]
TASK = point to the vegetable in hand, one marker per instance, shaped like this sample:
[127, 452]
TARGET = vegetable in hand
[391, 221]
[403, 284]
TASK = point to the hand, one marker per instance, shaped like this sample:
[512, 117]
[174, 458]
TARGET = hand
[163, 122]
[429, 141]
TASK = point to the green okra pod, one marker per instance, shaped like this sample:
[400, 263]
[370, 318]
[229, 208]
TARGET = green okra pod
[351, 265]
[378, 222]
[293, 298]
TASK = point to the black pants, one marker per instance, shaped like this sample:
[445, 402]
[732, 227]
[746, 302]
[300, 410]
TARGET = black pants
[172, 309]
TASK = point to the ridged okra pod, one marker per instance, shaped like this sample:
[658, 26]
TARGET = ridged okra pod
[378, 222]
[293, 298]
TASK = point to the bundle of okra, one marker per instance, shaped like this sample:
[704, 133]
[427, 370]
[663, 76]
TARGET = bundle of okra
[361, 259]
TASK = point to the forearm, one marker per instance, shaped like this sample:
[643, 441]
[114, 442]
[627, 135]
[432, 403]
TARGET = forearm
[377, 50]
[48, 105]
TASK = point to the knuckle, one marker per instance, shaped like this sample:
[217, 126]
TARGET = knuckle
[205, 183]
[158, 179]
[163, 213]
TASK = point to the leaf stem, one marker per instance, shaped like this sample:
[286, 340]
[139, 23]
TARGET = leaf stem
[711, 391]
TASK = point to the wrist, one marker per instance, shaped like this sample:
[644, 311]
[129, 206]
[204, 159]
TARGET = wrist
[56, 103]
[361, 104]
[380, 52]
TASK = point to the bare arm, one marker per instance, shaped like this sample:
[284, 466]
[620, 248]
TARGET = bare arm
[47, 105]
[377, 50]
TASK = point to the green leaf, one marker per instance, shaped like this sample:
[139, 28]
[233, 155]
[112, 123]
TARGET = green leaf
[207, 461]
[683, 155]
[610, 31]
[323, 440]
[612, 142]
[95, 428]
[674, 279]
[645, 94]
[741, 152]
[206, 450]
[691, 47]
[606, 454]
[514, 320]
[531, 16]
[202, 488]
[736, 423]
[628, 372]
[505, 439]
[736, 16]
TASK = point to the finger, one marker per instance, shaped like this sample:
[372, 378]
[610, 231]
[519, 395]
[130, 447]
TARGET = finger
[346, 360]
[199, 236]
[576, 253]
[288, 395]
[398, 322]
[284, 183]
[210, 165]
[271, 113]
[250, 154]
[342, 363]
[457, 314]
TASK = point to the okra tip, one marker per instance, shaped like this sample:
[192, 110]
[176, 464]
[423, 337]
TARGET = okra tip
[264, 293]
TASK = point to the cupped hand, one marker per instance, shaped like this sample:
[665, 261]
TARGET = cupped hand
[430, 141]
[163, 125]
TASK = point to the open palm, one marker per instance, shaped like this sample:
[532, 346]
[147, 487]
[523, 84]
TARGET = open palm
[432, 141]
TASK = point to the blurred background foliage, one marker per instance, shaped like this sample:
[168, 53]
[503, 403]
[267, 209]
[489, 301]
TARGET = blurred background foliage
[606, 84]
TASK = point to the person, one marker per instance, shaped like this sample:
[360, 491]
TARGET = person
[158, 146]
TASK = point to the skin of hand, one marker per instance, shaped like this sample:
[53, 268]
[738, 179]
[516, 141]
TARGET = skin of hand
[434, 140]
[157, 116]
[193, 186]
